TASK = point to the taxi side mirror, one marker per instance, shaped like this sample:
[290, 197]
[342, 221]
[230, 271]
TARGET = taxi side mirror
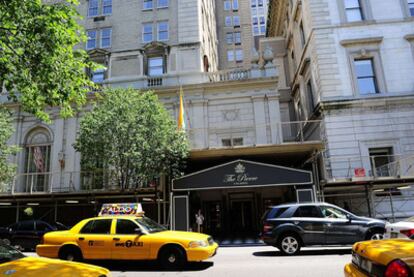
[349, 217]
[138, 231]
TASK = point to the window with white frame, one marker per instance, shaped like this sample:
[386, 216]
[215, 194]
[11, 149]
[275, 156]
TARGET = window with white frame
[106, 34]
[147, 32]
[147, 5]
[239, 55]
[302, 34]
[228, 21]
[162, 4]
[106, 7]
[365, 75]
[411, 7]
[353, 10]
[227, 5]
[155, 66]
[255, 22]
[237, 37]
[235, 4]
[98, 76]
[262, 23]
[91, 42]
[229, 38]
[93, 8]
[162, 30]
[230, 55]
[253, 3]
[236, 20]
[228, 142]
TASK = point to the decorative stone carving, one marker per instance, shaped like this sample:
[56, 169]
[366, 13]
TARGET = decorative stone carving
[230, 115]
[255, 56]
[268, 54]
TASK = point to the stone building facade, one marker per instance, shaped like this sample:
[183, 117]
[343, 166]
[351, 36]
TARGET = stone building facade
[351, 64]
[240, 116]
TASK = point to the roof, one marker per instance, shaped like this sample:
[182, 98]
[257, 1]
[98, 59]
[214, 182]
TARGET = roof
[301, 204]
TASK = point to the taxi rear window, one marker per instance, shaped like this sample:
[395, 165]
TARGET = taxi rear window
[98, 226]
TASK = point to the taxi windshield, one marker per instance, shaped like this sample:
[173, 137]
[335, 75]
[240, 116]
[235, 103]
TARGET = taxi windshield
[8, 253]
[150, 225]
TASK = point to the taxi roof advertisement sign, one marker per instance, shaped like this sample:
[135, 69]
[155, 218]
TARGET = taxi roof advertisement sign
[121, 209]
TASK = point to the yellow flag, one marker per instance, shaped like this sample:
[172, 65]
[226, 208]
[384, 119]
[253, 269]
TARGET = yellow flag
[181, 116]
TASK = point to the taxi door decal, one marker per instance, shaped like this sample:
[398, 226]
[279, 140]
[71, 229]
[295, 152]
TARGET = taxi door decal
[92, 243]
[129, 243]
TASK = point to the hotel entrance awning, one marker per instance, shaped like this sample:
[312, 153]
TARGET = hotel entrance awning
[242, 174]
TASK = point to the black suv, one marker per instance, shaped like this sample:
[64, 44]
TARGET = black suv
[25, 235]
[291, 226]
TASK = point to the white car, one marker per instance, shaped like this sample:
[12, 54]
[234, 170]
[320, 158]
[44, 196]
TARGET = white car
[401, 229]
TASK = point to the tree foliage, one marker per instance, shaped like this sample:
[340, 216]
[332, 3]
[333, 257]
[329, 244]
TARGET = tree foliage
[39, 65]
[131, 138]
[7, 169]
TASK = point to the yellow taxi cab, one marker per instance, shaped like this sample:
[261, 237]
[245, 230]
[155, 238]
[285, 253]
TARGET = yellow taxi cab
[14, 263]
[388, 258]
[122, 232]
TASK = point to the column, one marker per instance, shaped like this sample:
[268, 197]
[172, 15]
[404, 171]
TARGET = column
[259, 119]
[275, 119]
[57, 147]
[197, 124]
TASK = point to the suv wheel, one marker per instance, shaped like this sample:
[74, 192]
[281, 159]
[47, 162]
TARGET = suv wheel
[289, 244]
[376, 236]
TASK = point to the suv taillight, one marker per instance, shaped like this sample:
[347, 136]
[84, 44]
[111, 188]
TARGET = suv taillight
[397, 268]
[408, 233]
[267, 227]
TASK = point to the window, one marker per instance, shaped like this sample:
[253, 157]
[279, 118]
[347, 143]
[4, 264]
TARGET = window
[260, 3]
[124, 226]
[411, 7]
[43, 226]
[353, 10]
[254, 3]
[147, 32]
[26, 226]
[235, 4]
[237, 37]
[147, 5]
[381, 161]
[307, 211]
[106, 37]
[331, 212]
[99, 226]
[236, 21]
[227, 5]
[93, 8]
[230, 55]
[229, 38]
[91, 42]
[98, 76]
[163, 30]
[107, 7]
[309, 92]
[232, 142]
[365, 76]
[239, 55]
[162, 4]
[302, 34]
[228, 21]
[155, 66]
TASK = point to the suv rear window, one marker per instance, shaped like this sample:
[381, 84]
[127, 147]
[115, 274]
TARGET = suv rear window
[276, 212]
[307, 211]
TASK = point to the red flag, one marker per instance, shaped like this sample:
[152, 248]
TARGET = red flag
[38, 159]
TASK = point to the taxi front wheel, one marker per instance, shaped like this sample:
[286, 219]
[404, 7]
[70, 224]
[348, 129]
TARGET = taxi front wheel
[172, 258]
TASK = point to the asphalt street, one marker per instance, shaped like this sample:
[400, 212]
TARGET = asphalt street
[259, 261]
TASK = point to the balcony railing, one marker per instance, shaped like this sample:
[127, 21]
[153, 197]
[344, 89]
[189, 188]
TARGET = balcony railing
[349, 168]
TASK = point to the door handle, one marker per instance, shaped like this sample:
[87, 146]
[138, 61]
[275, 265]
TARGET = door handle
[81, 238]
[117, 239]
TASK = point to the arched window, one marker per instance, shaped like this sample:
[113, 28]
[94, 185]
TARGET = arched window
[37, 160]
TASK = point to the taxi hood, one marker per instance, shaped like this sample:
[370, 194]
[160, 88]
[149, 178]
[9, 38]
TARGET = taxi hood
[385, 251]
[181, 235]
[35, 267]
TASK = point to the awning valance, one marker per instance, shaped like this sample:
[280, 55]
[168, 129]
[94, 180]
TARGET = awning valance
[241, 173]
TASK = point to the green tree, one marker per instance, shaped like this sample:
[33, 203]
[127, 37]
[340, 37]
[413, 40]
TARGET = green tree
[130, 137]
[7, 169]
[39, 65]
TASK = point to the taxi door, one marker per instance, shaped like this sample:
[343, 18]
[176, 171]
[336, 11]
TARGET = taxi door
[127, 244]
[95, 239]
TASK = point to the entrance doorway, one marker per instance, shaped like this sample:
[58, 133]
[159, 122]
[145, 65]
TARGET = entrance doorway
[242, 214]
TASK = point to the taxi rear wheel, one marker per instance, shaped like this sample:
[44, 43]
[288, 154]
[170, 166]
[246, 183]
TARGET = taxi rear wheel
[172, 258]
[70, 254]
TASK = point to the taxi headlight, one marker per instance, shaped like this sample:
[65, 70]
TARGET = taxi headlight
[198, 243]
